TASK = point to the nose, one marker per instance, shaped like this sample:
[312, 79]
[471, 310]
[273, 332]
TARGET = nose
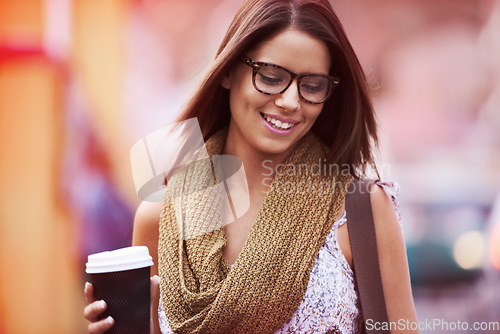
[289, 99]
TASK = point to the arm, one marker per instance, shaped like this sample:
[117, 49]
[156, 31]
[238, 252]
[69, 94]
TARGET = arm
[146, 224]
[393, 261]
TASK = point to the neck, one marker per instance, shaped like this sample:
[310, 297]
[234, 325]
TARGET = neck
[260, 168]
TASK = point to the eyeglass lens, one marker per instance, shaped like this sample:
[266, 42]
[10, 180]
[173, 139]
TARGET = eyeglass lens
[272, 80]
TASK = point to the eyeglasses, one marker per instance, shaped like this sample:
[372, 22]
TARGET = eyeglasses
[273, 79]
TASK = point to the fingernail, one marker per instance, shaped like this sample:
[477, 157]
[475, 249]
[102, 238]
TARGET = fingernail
[102, 304]
[109, 320]
[86, 285]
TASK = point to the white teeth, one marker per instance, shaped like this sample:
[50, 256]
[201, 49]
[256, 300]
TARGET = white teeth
[277, 123]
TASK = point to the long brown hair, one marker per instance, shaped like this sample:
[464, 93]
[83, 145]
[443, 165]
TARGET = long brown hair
[347, 122]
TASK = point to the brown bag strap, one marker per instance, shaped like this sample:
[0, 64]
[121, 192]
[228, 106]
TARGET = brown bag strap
[363, 241]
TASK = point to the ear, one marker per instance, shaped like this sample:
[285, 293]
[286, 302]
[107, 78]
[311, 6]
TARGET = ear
[226, 81]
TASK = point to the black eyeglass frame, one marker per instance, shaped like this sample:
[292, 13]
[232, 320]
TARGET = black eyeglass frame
[256, 65]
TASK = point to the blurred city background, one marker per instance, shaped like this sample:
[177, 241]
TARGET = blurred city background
[82, 80]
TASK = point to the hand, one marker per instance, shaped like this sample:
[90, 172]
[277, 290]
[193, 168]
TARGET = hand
[93, 311]
[155, 299]
[95, 308]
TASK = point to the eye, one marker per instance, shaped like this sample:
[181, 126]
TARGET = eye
[310, 88]
[269, 80]
[312, 84]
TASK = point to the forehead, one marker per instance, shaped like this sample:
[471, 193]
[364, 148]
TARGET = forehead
[295, 50]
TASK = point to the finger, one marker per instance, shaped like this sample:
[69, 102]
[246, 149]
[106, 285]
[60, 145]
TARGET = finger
[155, 299]
[155, 287]
[92, 311]
[88, 291]
[101, 326]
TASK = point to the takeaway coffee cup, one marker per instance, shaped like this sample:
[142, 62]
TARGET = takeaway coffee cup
[121, 278]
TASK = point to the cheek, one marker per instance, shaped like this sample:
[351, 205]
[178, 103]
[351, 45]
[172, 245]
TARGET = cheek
[238, 101]
[244, 96]
[314, 112]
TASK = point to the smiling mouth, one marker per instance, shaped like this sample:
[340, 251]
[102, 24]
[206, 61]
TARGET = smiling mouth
[276, 123]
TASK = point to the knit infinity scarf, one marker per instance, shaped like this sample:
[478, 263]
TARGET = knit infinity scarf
[200, 292]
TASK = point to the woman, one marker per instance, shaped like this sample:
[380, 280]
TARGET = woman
[285, 90]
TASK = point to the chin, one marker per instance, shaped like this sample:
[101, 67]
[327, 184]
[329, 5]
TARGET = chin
[276, 147]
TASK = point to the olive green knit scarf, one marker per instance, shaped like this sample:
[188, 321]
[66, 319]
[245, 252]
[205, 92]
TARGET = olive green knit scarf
[200, 292]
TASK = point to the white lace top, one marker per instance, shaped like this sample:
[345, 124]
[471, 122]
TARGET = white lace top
[331, 303]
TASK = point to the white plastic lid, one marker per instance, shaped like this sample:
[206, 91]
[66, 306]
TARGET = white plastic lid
[118, 260]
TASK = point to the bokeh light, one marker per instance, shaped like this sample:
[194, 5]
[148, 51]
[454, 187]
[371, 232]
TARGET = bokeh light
[469, 250]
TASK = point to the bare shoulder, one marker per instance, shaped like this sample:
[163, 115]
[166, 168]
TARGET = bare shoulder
[390, 240]
[148, 213]
[146, 222]
[385, 218]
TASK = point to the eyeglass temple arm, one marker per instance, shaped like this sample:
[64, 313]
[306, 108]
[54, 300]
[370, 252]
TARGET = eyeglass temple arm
[246, 60]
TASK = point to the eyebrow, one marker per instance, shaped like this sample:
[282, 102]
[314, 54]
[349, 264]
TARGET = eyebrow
[285, 68]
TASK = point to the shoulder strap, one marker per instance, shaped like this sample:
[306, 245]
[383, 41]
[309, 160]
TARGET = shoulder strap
[363, 241]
